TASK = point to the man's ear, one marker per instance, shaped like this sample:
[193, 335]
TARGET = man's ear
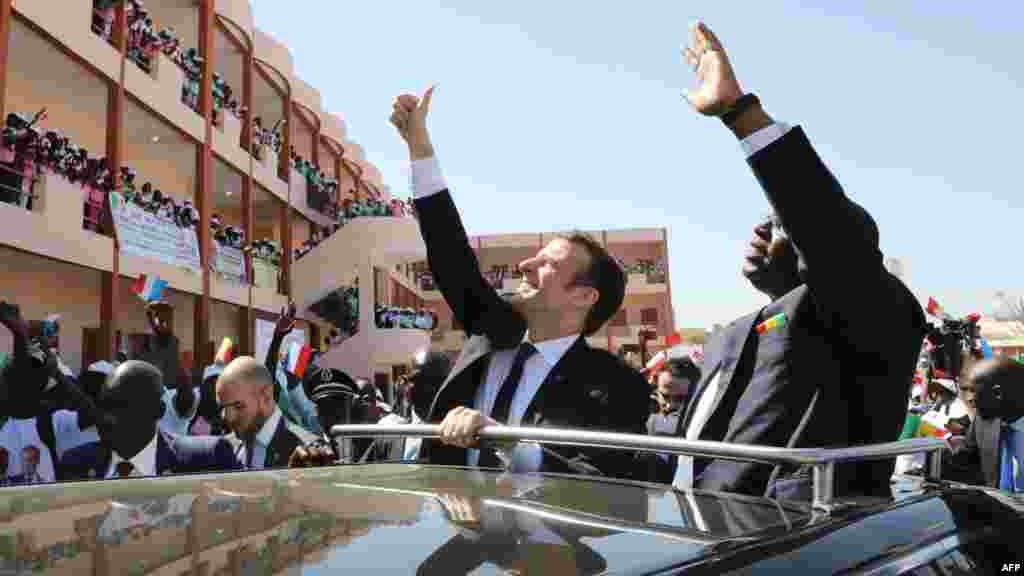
[587, 296]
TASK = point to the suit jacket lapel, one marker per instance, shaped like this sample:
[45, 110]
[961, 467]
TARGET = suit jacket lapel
[728, 352]
[465, 377]
[556, 383]
[992, 434]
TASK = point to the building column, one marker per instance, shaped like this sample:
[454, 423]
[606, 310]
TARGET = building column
[5, 44]
[202, 354]
[285, 168]
[247, 343]
[110, 281]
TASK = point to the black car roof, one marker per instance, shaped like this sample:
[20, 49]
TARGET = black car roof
[386, 516]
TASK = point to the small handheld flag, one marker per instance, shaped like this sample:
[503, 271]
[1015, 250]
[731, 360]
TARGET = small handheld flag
[226, 352]
[777, 321]
[935, 309]
[986, 348]
[149, 288]
[298, 358]
[673, 340]
[933, 425]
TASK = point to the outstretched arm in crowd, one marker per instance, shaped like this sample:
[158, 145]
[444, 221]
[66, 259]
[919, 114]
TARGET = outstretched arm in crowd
[455, 268]
[285, 325]
[25, 376]
[164, 355]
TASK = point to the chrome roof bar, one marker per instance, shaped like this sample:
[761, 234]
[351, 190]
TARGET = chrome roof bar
[822, 460]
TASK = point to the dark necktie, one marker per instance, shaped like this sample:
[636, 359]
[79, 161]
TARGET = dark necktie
[503, 404]
[124, 469]
[250, 450]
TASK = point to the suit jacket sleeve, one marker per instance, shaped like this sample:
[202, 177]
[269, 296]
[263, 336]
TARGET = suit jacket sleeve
[456, 270]
[845, 271]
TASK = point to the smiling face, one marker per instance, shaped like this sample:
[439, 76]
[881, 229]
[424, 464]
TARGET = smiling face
[550, 282]
[772, 263]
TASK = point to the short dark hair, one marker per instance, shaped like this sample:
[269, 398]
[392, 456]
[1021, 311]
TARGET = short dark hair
[603, 274]
[683, 368]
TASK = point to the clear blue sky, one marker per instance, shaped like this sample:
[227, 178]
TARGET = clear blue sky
[552, 115]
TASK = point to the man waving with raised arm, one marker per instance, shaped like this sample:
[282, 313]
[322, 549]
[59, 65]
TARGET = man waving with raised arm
[829, 361]
[527, 361]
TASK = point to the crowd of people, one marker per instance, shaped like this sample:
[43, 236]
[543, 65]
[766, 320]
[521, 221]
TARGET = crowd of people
[809, 368]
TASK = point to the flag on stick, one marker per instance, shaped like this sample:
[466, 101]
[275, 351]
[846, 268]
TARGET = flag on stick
[298, 358]
[226, 352]
[935, 309]
[673, 340]
[149, 288]
[933, 425]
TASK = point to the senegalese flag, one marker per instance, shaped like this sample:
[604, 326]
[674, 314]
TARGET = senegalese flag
[910, 426]
[777, 321]
[226, 352]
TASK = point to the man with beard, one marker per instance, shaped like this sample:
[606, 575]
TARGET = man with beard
[245, 394]
[827, 361]
[131, 441]
[527, 361]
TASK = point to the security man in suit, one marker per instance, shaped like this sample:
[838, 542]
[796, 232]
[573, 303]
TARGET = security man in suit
[527, 361]
[829, 360]
[264, 438]
[996, 436]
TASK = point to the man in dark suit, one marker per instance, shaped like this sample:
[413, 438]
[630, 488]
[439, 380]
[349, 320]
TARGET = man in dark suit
[131, 443]
[998, 386]
[673, 384]
[264, 438]
[830, 359]
[527, 361]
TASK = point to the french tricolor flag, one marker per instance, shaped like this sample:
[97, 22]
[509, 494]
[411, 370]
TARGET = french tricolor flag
[298, 358]
[149, 288]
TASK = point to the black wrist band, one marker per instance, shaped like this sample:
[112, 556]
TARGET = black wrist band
[741, 105]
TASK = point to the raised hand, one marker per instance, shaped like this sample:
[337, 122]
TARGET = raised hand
[10, 317]
[718, 88]
[161, 317]
[409, 116]
[286, 321]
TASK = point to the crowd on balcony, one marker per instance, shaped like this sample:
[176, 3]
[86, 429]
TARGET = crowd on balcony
[266, 138]
[145, 42]
[349, 210]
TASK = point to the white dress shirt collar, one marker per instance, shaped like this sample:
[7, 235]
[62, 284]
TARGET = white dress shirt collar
[266, 434]
[553, 350]
[144, 462]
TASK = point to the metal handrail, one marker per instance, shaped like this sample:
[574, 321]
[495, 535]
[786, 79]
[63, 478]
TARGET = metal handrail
[822, 460]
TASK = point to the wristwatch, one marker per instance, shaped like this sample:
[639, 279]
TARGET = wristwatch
[741, 105]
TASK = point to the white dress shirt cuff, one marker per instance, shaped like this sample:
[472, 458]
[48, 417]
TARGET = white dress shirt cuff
[762, 138]
[426, 177]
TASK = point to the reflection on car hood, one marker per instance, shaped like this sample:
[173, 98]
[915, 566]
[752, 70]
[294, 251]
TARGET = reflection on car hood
[388, 518]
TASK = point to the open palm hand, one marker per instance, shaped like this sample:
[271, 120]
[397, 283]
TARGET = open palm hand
[718, 88]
